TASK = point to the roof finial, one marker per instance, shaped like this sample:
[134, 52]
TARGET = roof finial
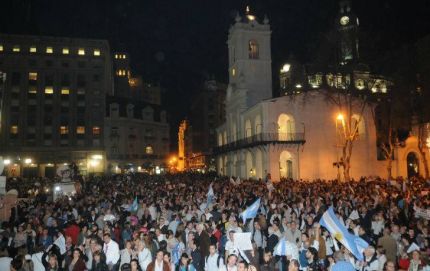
[266, 19]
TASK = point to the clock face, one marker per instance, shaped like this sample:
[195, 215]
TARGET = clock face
[344, 20]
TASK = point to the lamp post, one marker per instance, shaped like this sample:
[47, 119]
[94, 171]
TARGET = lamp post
[340, 118]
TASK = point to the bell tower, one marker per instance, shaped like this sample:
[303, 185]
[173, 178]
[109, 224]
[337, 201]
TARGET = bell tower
[347, 27]
[250, 58]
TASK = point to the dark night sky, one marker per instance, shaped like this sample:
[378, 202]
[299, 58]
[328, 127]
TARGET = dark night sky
[179, 42]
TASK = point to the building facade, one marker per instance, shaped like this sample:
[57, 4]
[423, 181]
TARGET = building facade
[295, 136]
[207, 112]
[53, 102]
[136, 136]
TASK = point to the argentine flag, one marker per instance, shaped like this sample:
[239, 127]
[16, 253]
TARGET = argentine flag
[133, 207]
[353, 243]
[251, 211]
[285, 248]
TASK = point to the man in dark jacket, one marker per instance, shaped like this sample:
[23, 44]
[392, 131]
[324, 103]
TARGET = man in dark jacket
[196, 257]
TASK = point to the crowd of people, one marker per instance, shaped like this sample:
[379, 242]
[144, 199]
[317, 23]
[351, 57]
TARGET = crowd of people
[171, 223]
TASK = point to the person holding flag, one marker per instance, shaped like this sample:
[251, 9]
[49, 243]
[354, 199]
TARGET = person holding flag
[251, 211]
[354, 244]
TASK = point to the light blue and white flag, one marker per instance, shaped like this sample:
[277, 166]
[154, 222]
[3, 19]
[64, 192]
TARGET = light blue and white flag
[285, 248]
[134, 206]
[354, 244]
[210, 196]
[251, 211]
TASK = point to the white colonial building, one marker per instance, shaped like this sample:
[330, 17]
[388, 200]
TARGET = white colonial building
[289, 136]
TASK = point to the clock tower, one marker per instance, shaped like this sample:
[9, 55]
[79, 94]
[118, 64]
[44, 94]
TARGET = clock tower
[347, 28]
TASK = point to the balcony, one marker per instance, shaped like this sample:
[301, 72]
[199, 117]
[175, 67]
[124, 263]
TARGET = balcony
[285, 139]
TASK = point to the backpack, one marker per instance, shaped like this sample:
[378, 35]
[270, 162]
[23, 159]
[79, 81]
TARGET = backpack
[217, 260]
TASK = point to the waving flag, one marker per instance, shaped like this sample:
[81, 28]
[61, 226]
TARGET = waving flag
[233, 182]
[285, 248]
[251, 211]
[133, 207]
[353, 243]
[210, 195]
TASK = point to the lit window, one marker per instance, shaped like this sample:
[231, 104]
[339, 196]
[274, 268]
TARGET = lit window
[80, 130]
[123, 57]
[65, 51]
[14, 129]
[32, 76]
[96, 52]
[49, 90]
[1, 48]
[149, 150]
[65, 91]
[116, 56]
[81, 51]
[253, 49]
[64, 130]
[16, 49]
[233, 72]
[32, 90]
[96, 130]
[33, 49]
[49, 50]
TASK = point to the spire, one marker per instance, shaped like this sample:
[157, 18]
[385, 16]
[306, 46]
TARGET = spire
[266, 19]
[237, 18]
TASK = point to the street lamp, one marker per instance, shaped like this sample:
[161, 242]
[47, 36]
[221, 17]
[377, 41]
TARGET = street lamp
[27, 161]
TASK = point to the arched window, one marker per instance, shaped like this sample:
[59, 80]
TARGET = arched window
[253, 49]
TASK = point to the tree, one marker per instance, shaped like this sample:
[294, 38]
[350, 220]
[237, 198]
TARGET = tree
[348, 121]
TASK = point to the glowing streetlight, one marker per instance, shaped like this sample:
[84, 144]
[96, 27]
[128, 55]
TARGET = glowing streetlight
[286, 68]
[340, 117]
[27, 161]
[6, 162]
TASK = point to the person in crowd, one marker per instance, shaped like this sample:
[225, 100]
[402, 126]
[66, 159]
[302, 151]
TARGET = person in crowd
[99, 262]
[134, 265]
[167, 258]
[159, 264]
[144, 255]
[126, 254]
[52, 263]
[293, 265]
[214, 261]
[77, 263]
[185, 264]
[111, 250]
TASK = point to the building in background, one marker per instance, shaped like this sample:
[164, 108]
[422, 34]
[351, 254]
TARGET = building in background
[53, 103]
[128, 85]
[295, 136]
[136, 135]
[207, 112]
[58, 106]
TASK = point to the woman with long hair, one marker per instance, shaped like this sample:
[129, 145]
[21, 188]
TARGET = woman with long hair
[127, 253]
[99, 262]
[77, 263]
[185, 264]
[135, 266]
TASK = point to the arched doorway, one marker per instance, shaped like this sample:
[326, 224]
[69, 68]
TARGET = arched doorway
[249, 165]
[286, 127]
[285, 165]
[413, 164]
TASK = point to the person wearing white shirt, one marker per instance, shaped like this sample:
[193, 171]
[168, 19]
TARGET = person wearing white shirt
[111, 250]
[144, 256]
[370, 262]
[230, 248]
[214, 262]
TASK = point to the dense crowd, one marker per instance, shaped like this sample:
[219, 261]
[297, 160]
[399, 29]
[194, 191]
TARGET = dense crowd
[170, 223]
